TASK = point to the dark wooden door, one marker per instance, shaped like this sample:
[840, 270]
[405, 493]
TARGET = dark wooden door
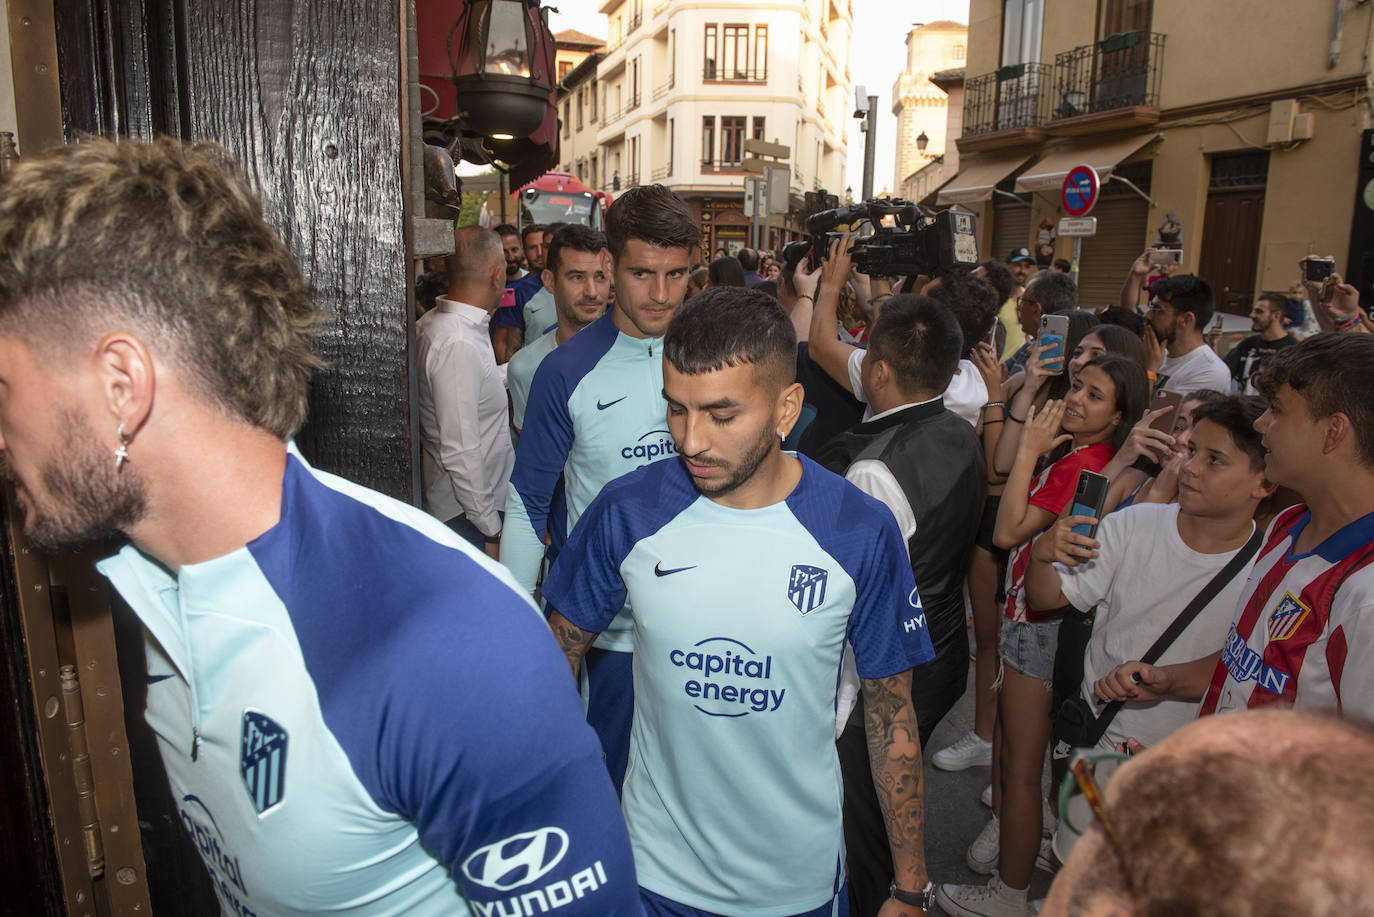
[1230, 246]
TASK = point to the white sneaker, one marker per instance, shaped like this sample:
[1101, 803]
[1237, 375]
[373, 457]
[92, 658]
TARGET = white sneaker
[983, 852]
[969, 751]
[991, 900]
[1046, 859]
[986, 798]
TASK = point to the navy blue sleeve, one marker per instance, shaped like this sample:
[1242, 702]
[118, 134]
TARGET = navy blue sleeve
[452, 701]
[584, 583]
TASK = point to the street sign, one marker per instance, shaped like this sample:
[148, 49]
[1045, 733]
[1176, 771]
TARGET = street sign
[779, 181]
[755, 197]
[1077, 227]
[1079, 192]
[755, 164]
[764, 148]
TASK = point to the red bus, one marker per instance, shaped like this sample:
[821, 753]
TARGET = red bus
[557, 197]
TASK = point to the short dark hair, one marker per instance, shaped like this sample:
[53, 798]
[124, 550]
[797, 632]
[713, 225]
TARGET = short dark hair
[652, 214]
[1186, 293]
[996, 273]
[533, 227]
[1278, 302]
[1132, 392]
[575, 237]
[1334, 374]
[726, 271]
[1123, 318]
[506, 229]
[1116, 339]
[1237, 415]
[749, 259]
[972, 300]
[767, 286]
[554, 227]
[1062, 265]
[731, 326]
[1055, 292]
[921, 339]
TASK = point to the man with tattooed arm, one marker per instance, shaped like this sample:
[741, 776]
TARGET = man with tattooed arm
[747, 570]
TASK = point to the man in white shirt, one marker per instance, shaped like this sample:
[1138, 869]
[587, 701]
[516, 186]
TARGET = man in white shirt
[466, 449]
[1180, 307]
[1150, 560]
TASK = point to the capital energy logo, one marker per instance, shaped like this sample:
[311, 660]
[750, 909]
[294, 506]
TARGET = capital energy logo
[732, 681]
[220, 861]
[650, 447]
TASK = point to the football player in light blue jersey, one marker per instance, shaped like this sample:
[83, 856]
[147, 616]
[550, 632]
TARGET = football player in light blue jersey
[579, 285]
[332, 674]
[595, 412]
[747, 571]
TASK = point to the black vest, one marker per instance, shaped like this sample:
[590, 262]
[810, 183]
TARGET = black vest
[937, 459]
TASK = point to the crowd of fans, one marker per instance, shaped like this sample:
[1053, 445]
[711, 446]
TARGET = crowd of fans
[770, 510]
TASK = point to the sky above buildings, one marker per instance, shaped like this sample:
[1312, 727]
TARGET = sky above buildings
[877, 57]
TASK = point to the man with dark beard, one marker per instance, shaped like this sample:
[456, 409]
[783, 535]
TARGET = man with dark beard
[331, 673]
[746, 569]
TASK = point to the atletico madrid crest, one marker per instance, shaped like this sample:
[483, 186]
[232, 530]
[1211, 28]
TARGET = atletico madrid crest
[262, 760]
[1286, 617]
[806, 587]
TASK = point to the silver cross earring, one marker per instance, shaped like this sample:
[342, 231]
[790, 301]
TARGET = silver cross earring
[122, 453]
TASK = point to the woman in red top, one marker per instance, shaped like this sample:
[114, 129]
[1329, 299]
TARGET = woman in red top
[1108, 396]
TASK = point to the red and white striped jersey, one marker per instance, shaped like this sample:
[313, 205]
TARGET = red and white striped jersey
[1303, 635]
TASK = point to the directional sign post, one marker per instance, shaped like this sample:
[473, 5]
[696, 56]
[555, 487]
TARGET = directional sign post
[1078, 195]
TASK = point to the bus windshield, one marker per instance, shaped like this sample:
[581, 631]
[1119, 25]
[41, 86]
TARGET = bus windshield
[538, 206]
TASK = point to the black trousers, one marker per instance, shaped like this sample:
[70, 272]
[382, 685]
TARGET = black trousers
[935, 688]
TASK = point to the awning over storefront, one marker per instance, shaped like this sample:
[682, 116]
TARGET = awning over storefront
[1048, 174]
[976, 180]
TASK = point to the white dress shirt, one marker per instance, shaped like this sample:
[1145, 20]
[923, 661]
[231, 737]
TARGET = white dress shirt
[464, 426]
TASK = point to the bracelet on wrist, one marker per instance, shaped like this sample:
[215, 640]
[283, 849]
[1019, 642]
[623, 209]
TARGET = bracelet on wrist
[995, 404]
[1348, 322]
[1012, 417]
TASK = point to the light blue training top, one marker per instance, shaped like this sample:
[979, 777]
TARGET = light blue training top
[334, 706]
[595, 412]
[733, 792]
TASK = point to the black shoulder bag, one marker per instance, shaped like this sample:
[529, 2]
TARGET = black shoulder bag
[1075, 724]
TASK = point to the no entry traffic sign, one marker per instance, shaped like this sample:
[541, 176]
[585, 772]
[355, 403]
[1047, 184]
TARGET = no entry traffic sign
[1080, 190]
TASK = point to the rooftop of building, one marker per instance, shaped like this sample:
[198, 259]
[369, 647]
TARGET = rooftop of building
[576, 39]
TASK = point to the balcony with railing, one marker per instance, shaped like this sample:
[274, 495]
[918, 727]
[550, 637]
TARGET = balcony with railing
[635, 21]
[1110, 84]
[661, 172]
[632, 181]
[633, 103]
[612, 117]
[1006, 107]
[716, 166]
[663, 89]
[713, 73]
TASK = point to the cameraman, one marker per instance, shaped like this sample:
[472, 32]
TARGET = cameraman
[971, 299]
[1150, 560]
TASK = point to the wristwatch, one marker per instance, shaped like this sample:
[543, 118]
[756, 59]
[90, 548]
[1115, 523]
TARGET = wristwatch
[922, 899]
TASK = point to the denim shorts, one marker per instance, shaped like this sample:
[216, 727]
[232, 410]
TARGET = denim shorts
[1028, 647]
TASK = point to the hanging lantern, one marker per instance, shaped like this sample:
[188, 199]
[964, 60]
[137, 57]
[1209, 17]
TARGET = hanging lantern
[502, 58]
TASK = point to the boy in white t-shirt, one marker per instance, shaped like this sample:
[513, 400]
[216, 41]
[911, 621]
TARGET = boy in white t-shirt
[1149, 561]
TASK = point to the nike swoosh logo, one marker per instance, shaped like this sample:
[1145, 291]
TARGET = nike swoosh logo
[602, 407]
[659, 571]
[154, 679]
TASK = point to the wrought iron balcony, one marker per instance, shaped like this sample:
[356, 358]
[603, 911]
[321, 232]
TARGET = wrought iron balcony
[662, 172]
[663, 89]
[1120, 71]
[712, 73]
[633, 103]
[1016, 96]
[634, 23]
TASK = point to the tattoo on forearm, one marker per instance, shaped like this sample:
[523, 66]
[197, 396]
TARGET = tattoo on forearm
[894, 752]
[573, 639]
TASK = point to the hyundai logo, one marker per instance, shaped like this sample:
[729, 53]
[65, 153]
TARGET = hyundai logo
[518, 860]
